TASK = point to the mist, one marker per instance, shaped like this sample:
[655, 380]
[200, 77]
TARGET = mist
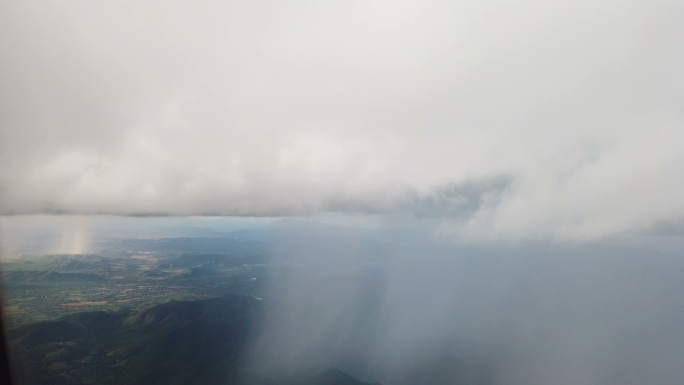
[535, 313]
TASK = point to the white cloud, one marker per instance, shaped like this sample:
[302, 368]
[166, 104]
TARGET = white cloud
[267, 108]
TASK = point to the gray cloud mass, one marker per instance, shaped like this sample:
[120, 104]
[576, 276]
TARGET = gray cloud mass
[268, 108]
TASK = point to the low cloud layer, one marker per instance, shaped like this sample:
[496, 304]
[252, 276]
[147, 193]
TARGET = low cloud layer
[560, 120]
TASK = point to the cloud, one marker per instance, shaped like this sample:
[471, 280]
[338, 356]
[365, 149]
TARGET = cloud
[272, 109]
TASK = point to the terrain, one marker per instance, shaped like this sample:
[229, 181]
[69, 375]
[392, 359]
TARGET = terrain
[178, 342]
[143, 311]
[317, 305]
[43, 287]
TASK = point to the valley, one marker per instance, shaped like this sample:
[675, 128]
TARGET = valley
[49, 286]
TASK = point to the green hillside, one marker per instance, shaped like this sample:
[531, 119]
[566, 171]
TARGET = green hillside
[178, 342]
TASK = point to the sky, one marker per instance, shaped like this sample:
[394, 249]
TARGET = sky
[496, 120]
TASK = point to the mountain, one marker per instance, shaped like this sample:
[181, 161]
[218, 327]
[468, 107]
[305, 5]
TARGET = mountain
[172, 343]
[295, 239]
[58, 262]
[216, 260]
[189, 245]
[329, 377]
[178, 342]
[446, 370]
[50, 277]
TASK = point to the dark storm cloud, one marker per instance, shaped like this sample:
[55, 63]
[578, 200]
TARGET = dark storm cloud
[463, 200]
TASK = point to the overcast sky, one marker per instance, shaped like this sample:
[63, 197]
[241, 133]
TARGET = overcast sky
[501, 119]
